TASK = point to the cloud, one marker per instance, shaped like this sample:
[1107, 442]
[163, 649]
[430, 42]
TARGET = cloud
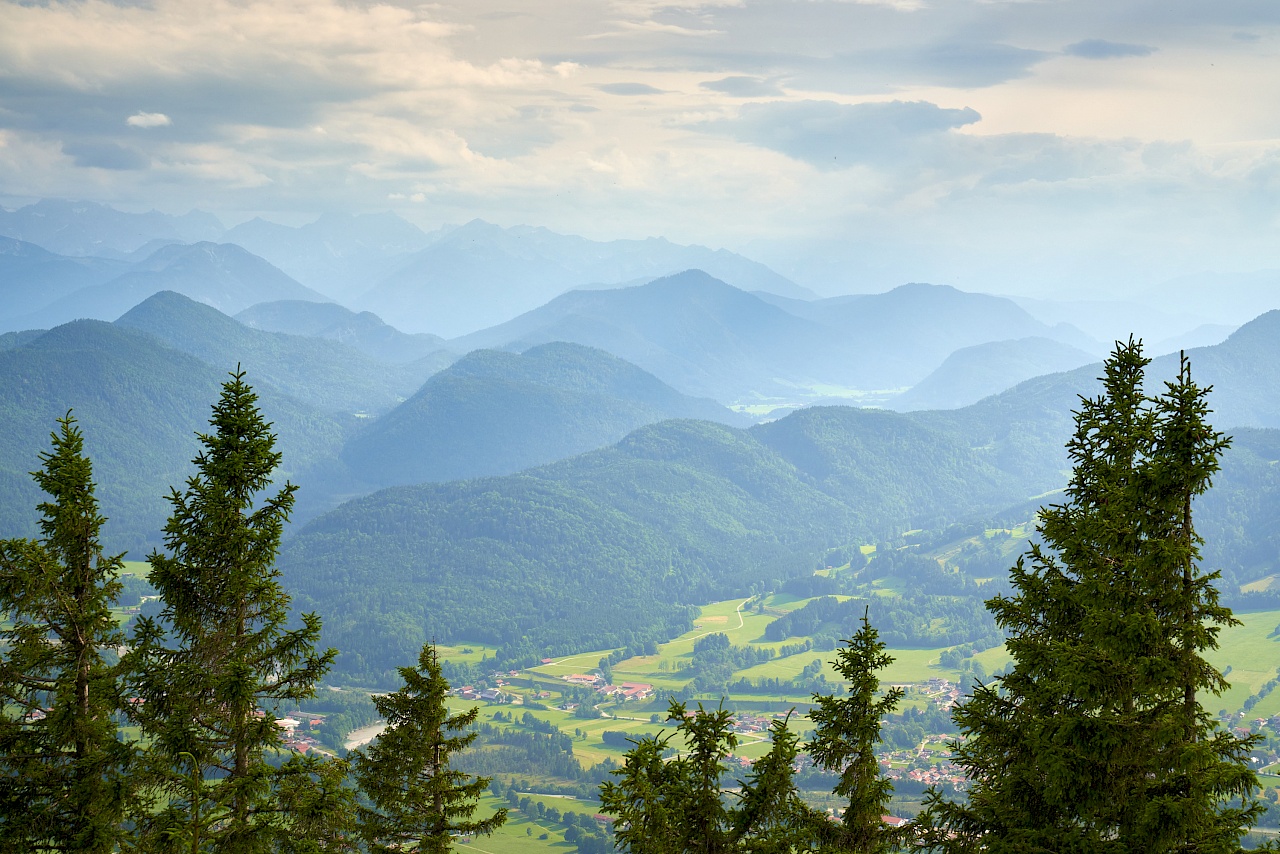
[833, 136]
[629, 89]
[1103, 49]
[954, 65]
[148, 120]
[743, 87]
[104, 155]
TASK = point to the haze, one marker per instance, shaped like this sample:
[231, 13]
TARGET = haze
[1043, 149]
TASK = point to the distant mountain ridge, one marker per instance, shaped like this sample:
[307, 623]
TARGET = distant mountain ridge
[322, 373]
[31, 277]
[452, 281]
[706, 337]
[972, 373]
[224, 276]
[693, 331]
[88, 228]
[339, 255]
[480, 274]
[364, 331]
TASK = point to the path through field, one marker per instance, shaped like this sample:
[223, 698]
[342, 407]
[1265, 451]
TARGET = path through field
[741, 623]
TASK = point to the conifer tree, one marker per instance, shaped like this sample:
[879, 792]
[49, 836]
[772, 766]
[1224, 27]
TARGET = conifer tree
[673, 806]
[846, 733]
[771, 817]
[1095, 741]
[222, 648]
[63, 773]
[416, 798]
[677, 806]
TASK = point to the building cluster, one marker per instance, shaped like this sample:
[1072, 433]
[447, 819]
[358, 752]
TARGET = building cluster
[942, 692]
[622, 692]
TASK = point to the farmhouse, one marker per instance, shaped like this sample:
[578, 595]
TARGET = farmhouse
[636, 690]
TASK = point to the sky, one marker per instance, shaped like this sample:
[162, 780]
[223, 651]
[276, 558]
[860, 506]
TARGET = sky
[1090, 147]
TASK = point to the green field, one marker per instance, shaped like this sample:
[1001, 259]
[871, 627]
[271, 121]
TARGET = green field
[140, 568]
[521, 833]
[1252, 650]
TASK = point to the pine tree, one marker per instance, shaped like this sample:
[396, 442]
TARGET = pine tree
[222, 648]
[771, 817]
[674, 806]
[415, 796]
[1095, 741]
[63, 773]
[846, 732]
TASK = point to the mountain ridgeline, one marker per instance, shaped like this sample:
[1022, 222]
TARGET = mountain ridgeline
[583, 474]
[705, 512]
[609, 548]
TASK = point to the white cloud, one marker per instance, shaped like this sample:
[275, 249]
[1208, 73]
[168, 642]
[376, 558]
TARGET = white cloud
[491, 108]
[148, 120]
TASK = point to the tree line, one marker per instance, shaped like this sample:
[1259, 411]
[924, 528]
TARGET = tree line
[1093, 740]
[166, 741]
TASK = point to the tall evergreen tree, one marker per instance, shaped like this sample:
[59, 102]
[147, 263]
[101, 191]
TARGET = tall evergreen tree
[1095, 741]
[771, 817]
[846, 733]
[63, 773]
[415, 797]
[222, 648]
[674, 806]
[677, 806]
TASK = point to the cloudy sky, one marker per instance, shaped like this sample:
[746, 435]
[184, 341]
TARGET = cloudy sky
[1041, 147]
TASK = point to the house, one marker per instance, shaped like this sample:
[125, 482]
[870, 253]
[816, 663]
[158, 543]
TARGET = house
[288, 724]
[636, 690]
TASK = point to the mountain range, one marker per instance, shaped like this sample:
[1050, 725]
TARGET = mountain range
[463, 281]
[683, 512]
[568, 478]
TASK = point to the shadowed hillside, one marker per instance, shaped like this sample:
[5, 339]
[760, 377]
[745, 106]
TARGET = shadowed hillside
[494, 412]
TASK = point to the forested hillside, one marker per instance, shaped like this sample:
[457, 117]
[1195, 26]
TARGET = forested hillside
[495, 412]
[139, 404]
[323, 373]
[605, 549]
[686, 512]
